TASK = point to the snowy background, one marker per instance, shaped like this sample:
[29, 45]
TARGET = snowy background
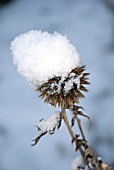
[89, 25]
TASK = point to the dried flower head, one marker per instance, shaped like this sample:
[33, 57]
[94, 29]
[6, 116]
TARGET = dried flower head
[51, 65]
[65, 91]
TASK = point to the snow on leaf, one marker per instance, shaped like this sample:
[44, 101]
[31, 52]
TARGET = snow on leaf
[48, 125]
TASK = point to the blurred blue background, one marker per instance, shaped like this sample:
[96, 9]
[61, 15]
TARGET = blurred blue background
[89, 25]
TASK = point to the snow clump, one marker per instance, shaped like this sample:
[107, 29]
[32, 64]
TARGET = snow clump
[50, 124]
[39, 56]
[77, 164]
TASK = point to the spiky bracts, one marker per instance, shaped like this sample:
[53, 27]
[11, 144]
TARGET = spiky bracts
[65, 91]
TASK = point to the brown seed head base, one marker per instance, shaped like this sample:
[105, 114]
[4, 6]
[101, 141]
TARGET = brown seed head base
[49, 90]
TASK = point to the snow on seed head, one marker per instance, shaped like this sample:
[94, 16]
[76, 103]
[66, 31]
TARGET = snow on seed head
[40, 56]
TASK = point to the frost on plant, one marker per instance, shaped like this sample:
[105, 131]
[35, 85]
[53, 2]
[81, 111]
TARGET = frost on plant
[51, 65]
[77, 164]
[66, 91]
[48, 125]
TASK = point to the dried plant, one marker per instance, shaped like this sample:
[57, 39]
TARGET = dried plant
[54, 93]
[61, 81]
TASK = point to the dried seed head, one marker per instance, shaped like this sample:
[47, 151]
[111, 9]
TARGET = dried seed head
[66, 90]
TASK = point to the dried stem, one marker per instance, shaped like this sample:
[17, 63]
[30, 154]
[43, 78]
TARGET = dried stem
[64, 116]
[81, 130]
[73, 136]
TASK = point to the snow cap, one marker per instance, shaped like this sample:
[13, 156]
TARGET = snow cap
[40, 56]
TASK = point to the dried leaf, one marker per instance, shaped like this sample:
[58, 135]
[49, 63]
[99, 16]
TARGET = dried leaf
[84, 82]
[82, 88]
[86, 74]
[89, 153]
[36, 140]
[73, 121]
[48, 125]
[81, 113]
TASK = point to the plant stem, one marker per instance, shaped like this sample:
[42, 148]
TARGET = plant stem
[79, 125]
[64, 116]
[73, 136]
